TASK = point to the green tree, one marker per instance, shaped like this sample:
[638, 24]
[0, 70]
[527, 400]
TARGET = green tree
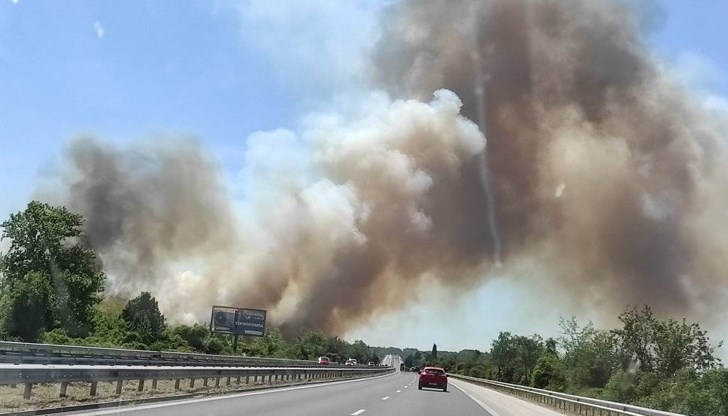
[269, 345]
[589, 354]
[311, 345]
[549, 373]
[359, 351]
[515, 356]
[664, 347]
[142, 315]
[433, 354]
[50, 279]
[25, 307]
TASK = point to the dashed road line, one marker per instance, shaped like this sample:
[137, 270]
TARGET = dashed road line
[399, 391]
[358, 412]
[385, 398]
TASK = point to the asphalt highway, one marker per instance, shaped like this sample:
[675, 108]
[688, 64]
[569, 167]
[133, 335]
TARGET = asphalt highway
[393, 394]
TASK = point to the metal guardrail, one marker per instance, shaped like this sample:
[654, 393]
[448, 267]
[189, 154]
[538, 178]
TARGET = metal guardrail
[31, 353]
[567, 402]
[30, 374]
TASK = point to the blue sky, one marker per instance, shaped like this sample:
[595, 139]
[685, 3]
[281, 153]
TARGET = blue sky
[221, 70]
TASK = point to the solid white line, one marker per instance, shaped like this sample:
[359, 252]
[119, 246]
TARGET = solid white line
[133, 408]
[385, 398]
[473, 398]
[358, 412]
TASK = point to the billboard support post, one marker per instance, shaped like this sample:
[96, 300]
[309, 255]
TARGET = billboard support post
[235, 343]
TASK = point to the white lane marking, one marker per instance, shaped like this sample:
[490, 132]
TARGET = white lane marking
[385, 398]
[473, 398]
[133, 408]
[358, 412]
[406, 386]
[399, 391]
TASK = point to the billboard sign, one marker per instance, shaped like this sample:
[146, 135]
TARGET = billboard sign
[238, 321]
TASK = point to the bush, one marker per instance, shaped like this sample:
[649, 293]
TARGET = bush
[57, 336]
[195, 336]
[215, 346]
[620, 387]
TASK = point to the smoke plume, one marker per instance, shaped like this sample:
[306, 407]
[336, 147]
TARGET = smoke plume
[602, 169]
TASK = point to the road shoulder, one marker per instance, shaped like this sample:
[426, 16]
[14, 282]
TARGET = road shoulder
[501, 404]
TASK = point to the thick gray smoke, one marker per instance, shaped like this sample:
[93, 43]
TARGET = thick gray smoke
[149, 207]
[603, 170]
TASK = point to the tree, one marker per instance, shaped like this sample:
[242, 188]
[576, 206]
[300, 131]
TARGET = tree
[359, 351]
[589, 354]
[311, 344]
[50, 279]
[515, 356]
[434, 352]
[664, 347]
[142, 315]
[549, 373]
[25, 306]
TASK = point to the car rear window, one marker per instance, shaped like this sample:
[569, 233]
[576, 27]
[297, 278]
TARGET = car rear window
[434, 371]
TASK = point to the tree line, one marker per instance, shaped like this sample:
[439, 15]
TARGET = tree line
[51, 290]
[660, 364]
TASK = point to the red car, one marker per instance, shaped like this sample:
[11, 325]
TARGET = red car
[324, 360]
[433, 377]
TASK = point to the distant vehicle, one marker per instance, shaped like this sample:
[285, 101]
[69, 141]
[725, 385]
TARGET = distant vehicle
[414, 369]
[433, 377]
[350, 361]
[324, 360]
[370, 363]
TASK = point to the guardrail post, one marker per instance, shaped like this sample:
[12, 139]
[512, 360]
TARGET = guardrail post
[217, 381]
[247, 380]
[27, 391]
[176, 384]
[92, 392]
[192, 382]
[204, 382]
[140, 387]
[270, 379]
[227, 382]
[119, 385]
[154, 384]
[64, 387]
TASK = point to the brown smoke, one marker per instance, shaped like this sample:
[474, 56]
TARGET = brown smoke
[602, 169]
[597, 158]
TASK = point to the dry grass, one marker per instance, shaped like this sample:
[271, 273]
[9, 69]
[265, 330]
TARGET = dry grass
[47, 395]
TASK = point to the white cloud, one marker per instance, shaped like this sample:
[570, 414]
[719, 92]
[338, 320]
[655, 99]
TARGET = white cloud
[15, 1]
[99, 29]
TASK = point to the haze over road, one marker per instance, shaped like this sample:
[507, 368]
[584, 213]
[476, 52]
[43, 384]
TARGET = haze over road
[394, 394]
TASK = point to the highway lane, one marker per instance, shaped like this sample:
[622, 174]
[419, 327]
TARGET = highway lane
[394, 394]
